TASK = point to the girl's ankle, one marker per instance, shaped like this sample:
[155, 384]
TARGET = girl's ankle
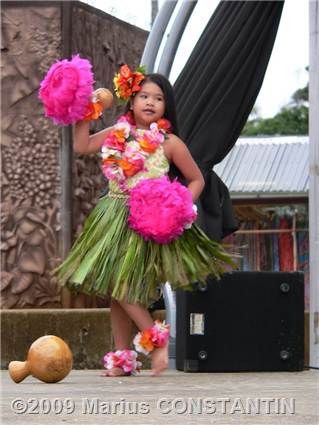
[121, 360]
[152, 338]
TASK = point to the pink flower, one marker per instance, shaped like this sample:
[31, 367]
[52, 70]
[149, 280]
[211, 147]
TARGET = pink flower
[155, 134]
[132, 158]
[114, 142]
[124, 359]
[128, 118]
[160, 209]
[113, 172]
[66, 89]
[133, 152]
[160, 333]
[116, 139]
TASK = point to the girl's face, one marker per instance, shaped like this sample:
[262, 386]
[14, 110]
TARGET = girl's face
[148, 105]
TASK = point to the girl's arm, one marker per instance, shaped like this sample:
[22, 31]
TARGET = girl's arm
[178, 153]
[85, 144]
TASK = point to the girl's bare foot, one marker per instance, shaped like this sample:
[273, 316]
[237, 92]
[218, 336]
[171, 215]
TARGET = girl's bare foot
[115, 371]
[159, 360]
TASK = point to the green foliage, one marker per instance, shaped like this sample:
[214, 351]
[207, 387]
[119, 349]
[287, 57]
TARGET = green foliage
[142, 69]
[301, 95]
[291, 119]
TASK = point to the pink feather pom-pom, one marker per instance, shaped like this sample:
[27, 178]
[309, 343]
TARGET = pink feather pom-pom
[66, 89]
[160, 209]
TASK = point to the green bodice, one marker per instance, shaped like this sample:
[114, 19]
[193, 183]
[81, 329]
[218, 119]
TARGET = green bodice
[156, 165]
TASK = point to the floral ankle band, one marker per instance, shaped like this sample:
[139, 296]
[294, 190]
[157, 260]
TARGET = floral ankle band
[154, 337]
[124, 359]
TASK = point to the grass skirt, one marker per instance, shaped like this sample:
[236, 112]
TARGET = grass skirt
[110, 258]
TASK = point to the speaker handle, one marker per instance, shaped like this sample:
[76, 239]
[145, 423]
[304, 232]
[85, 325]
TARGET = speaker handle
[170, 305]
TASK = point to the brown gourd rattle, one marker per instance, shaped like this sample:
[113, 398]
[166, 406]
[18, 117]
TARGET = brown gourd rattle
[49, 360]
[101, 99]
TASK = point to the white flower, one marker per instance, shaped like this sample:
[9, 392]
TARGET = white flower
[153, 126]
[189, 225]
[123, 126]
[138, 347]
[109, 364]
[107, 152]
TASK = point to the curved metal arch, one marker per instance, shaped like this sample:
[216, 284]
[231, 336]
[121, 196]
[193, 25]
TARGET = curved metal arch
[174, 38]
[156, 35]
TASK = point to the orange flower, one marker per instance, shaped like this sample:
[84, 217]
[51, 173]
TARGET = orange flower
[128, 168]
[94, 111]
[110, 160]
[146, 340]
[125, 72]
[120, 135]
[137, 78]
[163, 124]
[127, 83]
[147, 146]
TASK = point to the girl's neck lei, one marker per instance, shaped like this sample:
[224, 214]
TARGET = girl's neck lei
[120, 159]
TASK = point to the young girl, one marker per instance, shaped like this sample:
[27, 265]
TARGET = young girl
[109, 258]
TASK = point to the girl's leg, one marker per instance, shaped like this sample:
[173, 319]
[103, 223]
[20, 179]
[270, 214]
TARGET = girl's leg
[122, 327]
[143, 320]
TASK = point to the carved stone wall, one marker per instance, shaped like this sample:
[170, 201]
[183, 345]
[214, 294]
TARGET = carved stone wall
[31, 40]
[31, 186]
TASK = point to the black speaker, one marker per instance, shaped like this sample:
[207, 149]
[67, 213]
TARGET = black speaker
[247, 321]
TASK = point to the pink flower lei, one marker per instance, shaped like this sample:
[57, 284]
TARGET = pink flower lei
[120, 159]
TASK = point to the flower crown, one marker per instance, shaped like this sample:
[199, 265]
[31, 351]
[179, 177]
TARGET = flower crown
[127, 83]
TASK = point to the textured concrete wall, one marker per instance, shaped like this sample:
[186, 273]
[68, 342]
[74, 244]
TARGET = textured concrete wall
[86, 331]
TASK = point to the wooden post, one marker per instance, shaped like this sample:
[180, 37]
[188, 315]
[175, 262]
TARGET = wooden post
[294, 243]
[314, 181]
[257, 248]
[66, 155]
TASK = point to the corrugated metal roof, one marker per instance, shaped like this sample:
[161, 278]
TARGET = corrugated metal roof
[267, 166]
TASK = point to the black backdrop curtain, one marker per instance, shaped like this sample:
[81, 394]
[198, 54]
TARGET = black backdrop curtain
[216, 92]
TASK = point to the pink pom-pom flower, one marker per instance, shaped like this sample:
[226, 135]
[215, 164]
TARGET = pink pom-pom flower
[66, 89]
[160, 210]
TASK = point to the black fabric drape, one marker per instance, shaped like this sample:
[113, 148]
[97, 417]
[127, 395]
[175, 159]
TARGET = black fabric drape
[216, 92]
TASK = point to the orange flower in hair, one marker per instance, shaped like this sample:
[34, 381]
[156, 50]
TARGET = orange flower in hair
[127, 83]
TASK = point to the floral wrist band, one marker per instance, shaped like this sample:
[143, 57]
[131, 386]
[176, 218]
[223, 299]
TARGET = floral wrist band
[154, 337]
[101, 99]
[93, 111]
[124, 359]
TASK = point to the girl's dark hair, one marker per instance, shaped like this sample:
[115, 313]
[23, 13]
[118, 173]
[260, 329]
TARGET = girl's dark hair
[169, 98]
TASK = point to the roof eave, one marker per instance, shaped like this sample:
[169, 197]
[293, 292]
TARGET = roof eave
[268, 195]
